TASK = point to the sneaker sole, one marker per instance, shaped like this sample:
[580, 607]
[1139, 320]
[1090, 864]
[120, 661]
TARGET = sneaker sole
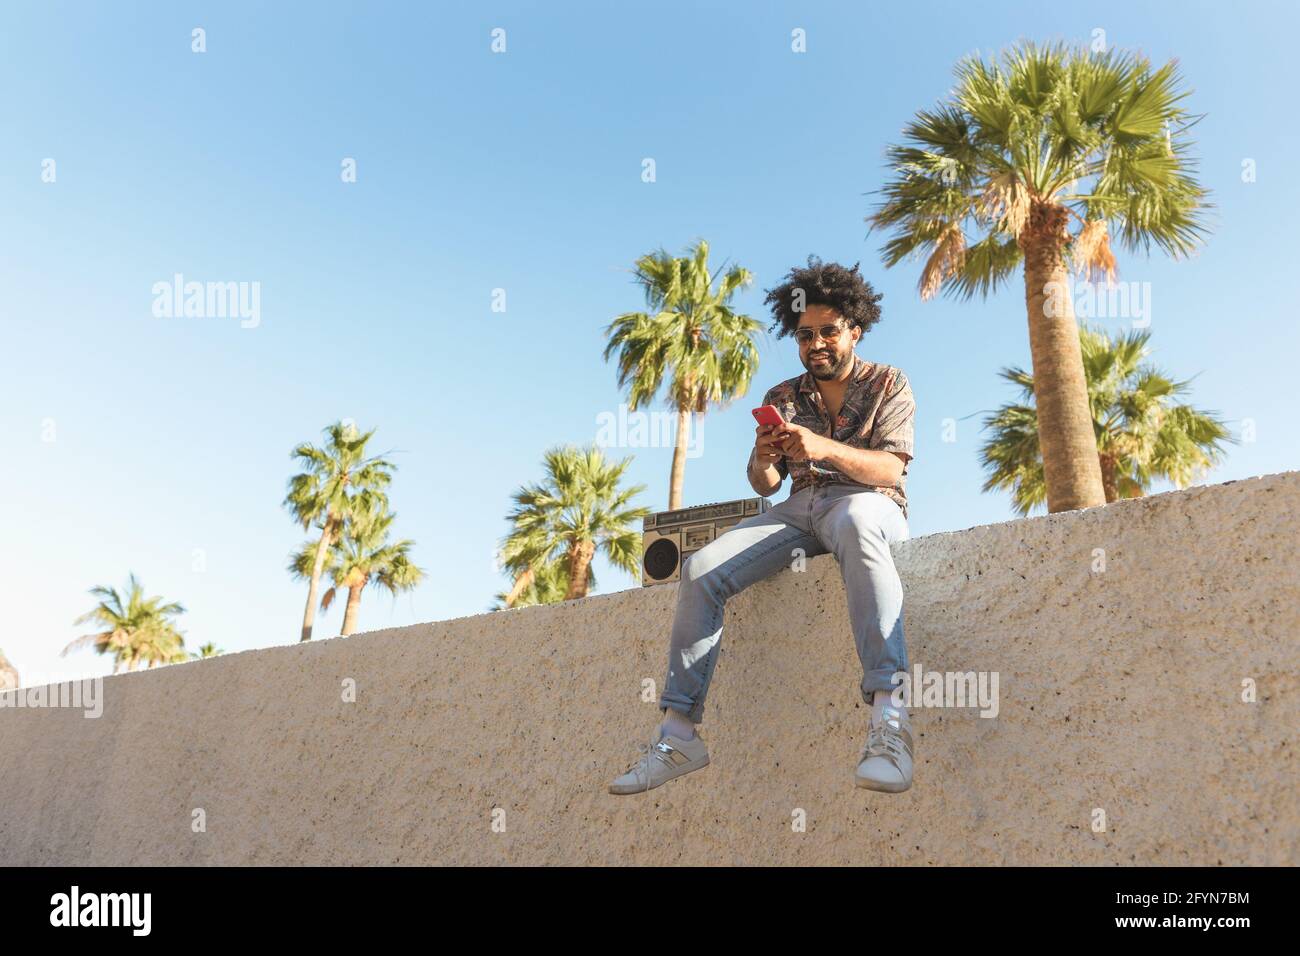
[881, 787]
[680, 772]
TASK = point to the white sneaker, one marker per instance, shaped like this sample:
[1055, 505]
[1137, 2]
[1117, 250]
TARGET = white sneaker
[670, 757]
[885, 763]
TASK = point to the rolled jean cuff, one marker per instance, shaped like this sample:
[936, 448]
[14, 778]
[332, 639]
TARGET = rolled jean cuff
[692, 713]
[882, 679]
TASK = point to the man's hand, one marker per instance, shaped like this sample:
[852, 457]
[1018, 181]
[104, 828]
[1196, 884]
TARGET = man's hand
[767, 450]
[801, 444]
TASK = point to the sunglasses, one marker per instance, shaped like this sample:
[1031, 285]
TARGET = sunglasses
[828, 332]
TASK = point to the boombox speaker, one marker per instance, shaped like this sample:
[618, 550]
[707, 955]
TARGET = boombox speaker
[670, 537]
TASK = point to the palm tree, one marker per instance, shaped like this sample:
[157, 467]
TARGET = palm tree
[134, 629]
[1018, 152]
[547, 585]
[576, 511]
[302, 563]
[8, 674]
[520, 552]
[337, 481]
[692, 335]
[364, 555]
[207, 650]
[1142, 433]
[517, 555]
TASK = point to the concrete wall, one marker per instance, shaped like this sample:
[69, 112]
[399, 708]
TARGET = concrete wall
[1119, 690]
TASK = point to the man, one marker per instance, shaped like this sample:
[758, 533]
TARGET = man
[846, 442]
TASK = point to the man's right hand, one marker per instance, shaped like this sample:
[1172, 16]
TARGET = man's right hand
[767, 447]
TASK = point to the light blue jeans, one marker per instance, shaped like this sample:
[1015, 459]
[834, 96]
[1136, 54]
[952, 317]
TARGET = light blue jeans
[854, 523]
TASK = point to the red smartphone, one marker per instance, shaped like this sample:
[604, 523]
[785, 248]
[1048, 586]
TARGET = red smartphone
[768, 415]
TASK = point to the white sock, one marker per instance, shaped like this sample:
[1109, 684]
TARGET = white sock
[878, 702]
[677, 724]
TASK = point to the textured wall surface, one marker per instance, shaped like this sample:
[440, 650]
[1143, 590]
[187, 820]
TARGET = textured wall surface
[1120, 690]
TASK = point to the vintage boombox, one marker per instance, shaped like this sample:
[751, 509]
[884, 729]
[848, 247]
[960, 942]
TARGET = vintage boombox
[670, 537]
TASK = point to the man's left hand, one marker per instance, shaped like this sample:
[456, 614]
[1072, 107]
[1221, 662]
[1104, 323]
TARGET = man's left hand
[802, 444]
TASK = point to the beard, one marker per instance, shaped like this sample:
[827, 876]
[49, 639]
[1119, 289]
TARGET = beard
[835, 363]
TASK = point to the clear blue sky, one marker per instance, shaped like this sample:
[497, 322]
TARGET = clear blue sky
[520, 171]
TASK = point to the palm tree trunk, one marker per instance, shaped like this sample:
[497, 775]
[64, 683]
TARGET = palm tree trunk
[678, 474]
[1109, 476]
[350, 615]
[1065, 431]
[579, 561]
[322, 548]
[522, 583]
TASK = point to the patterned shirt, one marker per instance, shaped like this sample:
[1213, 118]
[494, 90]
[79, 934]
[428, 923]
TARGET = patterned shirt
[877, 413]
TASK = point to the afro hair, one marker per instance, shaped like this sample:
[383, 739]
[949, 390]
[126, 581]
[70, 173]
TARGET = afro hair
[830, 284]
